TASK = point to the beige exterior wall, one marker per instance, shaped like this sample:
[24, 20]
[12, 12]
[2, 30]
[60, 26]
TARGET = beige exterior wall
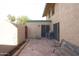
[10, 36]
[20, 33]
[34, 29]
[8, 33]
[68, 17]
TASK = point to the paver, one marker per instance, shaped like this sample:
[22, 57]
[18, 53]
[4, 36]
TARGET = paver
[38, 47]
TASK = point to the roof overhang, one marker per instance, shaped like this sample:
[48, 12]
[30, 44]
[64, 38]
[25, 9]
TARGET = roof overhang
[47, 8]
[39, 21]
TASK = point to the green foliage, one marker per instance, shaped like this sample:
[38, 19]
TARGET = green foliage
[22, 20]
[11, 18]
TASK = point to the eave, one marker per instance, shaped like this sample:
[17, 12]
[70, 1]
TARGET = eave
[47, 8]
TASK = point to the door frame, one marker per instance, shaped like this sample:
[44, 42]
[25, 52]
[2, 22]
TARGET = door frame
[56, 30]
[44, 30]
[26, 31]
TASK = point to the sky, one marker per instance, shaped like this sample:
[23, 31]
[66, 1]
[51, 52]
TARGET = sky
[31, 8]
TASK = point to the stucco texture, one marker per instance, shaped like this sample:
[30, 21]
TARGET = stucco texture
[34, 29]
[11, 35]
[68, 17]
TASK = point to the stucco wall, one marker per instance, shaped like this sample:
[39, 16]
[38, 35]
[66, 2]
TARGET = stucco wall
[10, 36]
[20, 33]
[68, 17]
[34, 29]
[8, 33]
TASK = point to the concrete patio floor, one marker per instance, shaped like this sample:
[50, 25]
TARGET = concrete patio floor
[38, 47]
